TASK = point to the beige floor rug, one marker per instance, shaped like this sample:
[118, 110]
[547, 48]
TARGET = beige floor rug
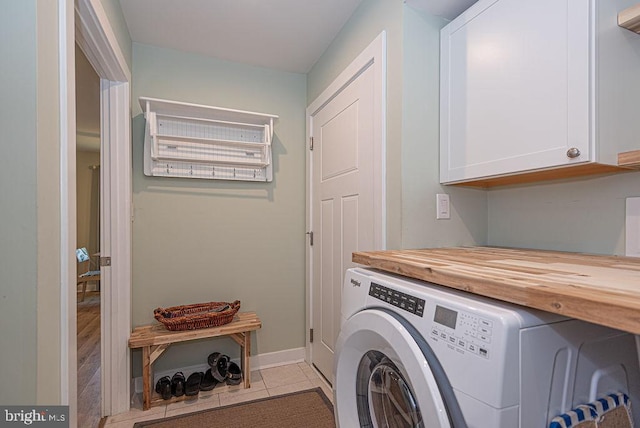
[308, 409]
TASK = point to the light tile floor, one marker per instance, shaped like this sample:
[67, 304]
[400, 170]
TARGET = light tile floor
[264, 383]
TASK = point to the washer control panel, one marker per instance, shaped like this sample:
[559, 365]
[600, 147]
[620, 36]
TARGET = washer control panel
[398, 299]
[462, 331]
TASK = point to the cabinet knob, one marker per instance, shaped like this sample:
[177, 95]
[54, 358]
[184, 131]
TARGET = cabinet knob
[573, 152]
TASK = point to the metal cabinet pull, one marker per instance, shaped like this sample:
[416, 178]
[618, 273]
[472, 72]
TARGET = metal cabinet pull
[573, 152]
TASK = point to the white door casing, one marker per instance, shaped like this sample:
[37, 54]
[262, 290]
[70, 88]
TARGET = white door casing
[115, 232]
[97, 40]
[345, 183]
[68, 267]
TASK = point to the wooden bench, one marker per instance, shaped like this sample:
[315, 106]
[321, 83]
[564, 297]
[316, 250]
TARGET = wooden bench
[155, 339]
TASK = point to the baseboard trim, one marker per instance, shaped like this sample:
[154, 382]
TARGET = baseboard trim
[278, 358]
[259, 361]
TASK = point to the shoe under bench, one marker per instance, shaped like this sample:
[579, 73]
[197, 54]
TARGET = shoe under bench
[155, 339]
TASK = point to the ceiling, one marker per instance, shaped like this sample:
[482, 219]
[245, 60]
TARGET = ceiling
[286, 35]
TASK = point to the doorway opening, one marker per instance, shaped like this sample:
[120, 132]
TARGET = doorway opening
[88, 311]
[95, 37]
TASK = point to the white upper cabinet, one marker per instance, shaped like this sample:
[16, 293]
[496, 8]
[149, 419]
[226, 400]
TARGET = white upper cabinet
[537, 85]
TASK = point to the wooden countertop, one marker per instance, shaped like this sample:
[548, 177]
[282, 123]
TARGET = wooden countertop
[600, 289]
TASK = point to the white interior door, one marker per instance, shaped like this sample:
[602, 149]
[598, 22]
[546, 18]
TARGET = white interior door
[346, 196]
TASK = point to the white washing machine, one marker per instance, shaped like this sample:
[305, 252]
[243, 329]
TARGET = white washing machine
[414, 354]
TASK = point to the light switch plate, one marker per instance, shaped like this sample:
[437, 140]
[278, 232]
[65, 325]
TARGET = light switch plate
[443, 206]
[632, 228]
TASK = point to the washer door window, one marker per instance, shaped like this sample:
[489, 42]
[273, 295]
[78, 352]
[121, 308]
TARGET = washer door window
[383, 378]
[385, 398]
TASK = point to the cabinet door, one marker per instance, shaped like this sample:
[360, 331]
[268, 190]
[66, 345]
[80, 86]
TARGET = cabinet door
[515, 83]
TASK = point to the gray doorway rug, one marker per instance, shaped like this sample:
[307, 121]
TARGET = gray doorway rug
[308, 409]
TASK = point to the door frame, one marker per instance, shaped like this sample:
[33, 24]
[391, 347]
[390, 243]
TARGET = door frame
[373, 56]
[95, 36]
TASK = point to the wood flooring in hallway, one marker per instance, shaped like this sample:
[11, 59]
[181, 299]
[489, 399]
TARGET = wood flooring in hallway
[88, 325]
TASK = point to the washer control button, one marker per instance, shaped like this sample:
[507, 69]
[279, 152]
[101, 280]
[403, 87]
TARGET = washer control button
[398, 299]
[484, 338]
[485, 330]
[420, 307]
[486, 323]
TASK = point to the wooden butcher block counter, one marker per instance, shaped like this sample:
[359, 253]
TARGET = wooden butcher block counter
[600, 289]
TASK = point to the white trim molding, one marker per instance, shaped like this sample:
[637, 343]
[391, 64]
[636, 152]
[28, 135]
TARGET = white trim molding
[97, 40]
[116, 242]
[68, 342]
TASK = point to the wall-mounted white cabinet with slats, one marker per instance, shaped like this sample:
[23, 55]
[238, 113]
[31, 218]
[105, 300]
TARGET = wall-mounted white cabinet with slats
[197, 141]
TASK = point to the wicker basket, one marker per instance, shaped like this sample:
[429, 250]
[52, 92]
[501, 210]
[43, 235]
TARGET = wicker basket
[196, 316]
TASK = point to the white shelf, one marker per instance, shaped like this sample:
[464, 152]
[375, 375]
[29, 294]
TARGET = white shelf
[197, 141]
[630, 18]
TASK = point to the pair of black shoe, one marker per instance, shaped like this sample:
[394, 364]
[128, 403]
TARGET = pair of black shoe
[194, 384]
[171, 387]
[178, 386]
[199, 381]
[223, 369]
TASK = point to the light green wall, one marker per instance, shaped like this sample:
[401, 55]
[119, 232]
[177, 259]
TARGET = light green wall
[119, 25]
[583, 215]
[200, 240]
[420, 148]
[29, 198]
[412, 124]
[18, 186]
